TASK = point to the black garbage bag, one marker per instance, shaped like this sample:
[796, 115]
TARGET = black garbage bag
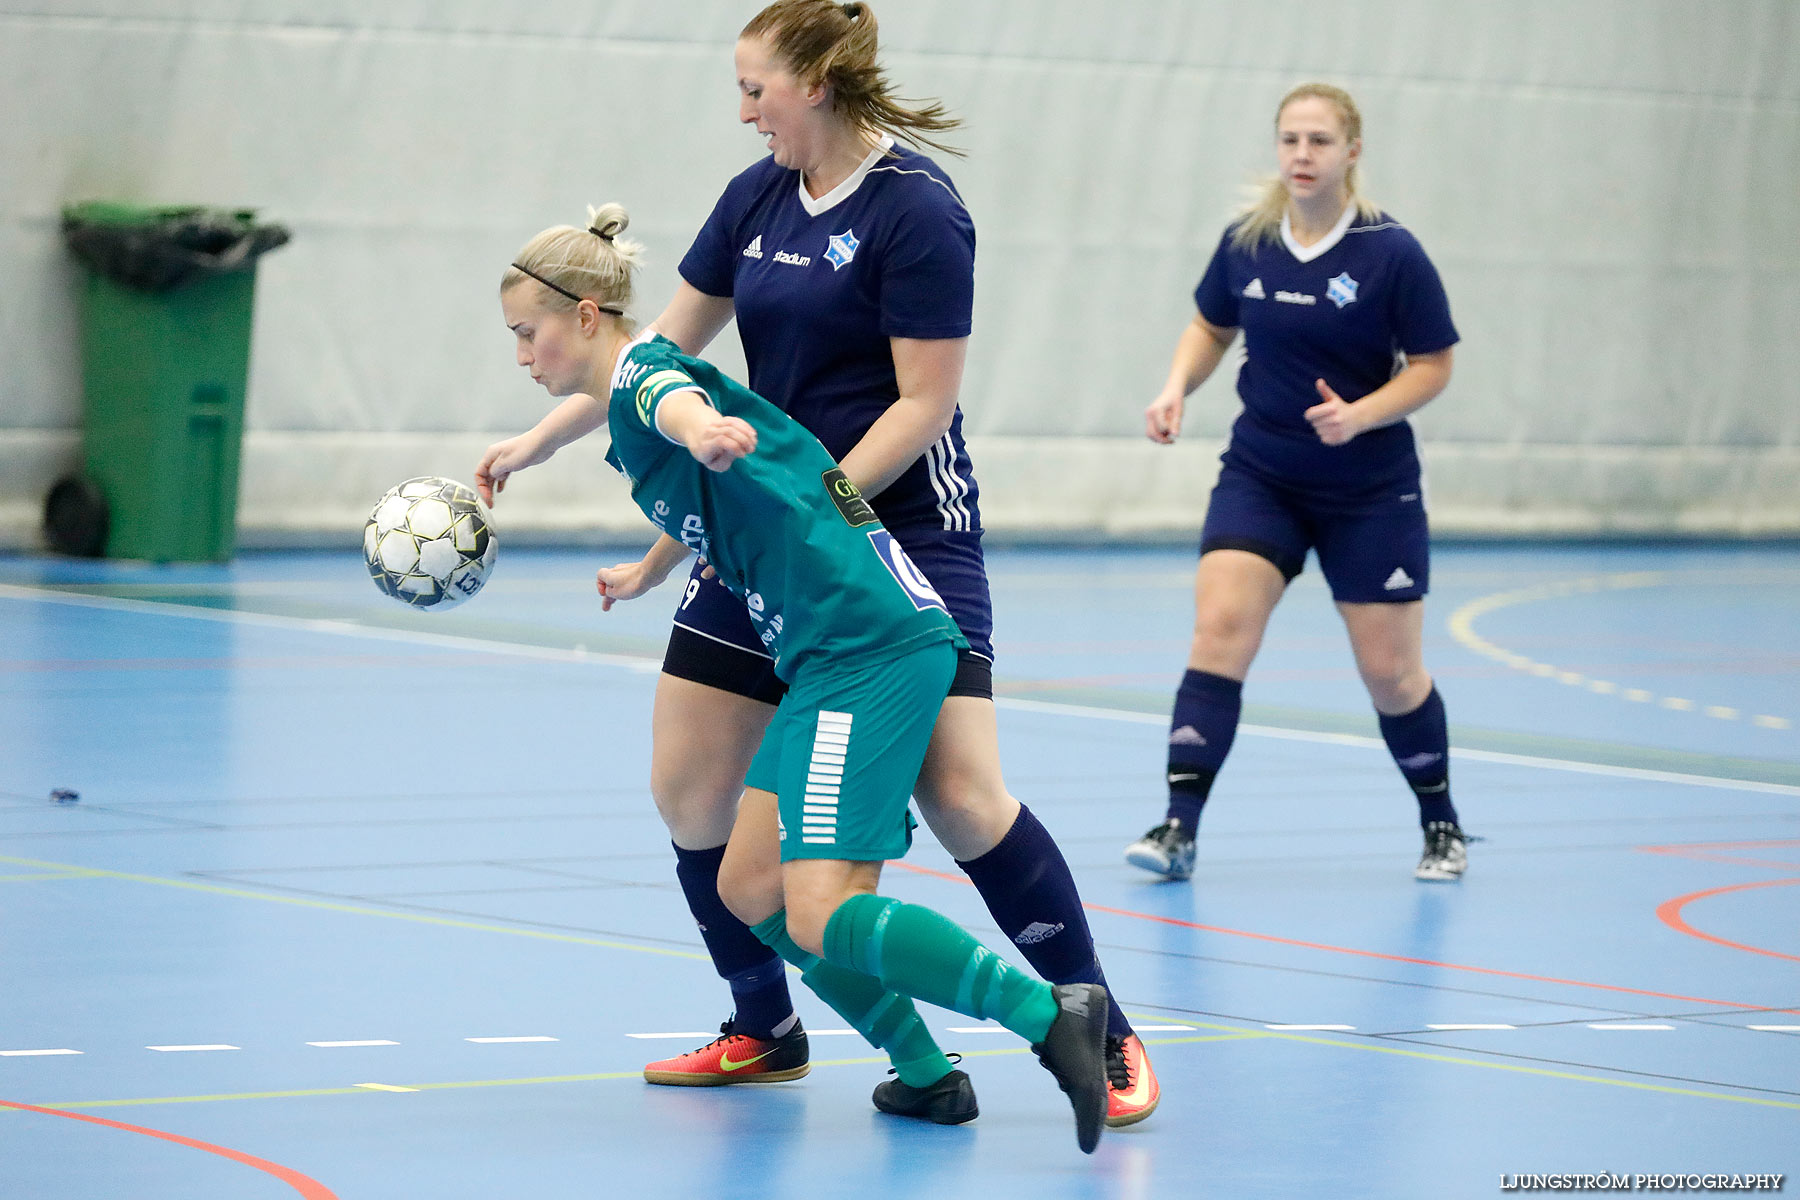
[158, 249]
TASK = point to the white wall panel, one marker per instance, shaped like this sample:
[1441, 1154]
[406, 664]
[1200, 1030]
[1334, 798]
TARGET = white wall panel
[1610, 188]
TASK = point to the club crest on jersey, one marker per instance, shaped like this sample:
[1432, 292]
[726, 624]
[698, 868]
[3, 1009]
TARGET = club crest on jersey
[1341, 290]
[841, 249]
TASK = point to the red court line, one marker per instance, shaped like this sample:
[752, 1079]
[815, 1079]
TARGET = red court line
[1399, 958]
[311, 1189]
[1669, 913]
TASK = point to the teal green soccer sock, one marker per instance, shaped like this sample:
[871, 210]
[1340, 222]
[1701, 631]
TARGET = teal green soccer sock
[889, 1021]
[929, 957]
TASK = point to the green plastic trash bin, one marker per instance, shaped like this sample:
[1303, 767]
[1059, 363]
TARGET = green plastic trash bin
[166, 317]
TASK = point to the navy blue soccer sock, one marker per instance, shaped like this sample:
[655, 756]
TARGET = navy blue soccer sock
[756, 974]
[1028, 888]
[1420, 743]
[1201, 730]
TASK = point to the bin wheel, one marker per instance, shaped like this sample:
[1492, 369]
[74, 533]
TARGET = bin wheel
[76, 517]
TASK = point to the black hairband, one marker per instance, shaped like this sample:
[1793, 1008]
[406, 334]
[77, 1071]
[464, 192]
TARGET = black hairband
[557, 287]
[597, 232]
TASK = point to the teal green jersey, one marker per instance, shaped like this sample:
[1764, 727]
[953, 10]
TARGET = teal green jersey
[785, 529]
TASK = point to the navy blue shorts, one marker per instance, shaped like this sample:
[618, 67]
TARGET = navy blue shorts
[1375, 550]
[714, 643]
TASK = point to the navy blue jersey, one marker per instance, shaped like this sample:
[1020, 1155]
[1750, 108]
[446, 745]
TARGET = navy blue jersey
[819, 286]
[1345, 310]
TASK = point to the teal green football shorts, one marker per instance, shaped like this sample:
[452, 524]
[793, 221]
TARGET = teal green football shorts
[844, 751]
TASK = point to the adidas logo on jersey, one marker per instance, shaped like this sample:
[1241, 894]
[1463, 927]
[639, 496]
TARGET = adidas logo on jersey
[754, 249]
[1254, 290]
[1399, 579]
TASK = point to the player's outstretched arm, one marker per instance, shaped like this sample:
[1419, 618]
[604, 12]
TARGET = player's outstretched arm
[714, 439]
[575, 417]
[628, 581]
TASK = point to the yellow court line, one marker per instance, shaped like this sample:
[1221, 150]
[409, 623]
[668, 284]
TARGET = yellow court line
[214, 889]
[1225, 1033]
[1462, 628]
[1542, 1072]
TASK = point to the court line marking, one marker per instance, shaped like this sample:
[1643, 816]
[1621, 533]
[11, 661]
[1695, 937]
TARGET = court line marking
[1316, 1028]
[1497, 1066]
[1462, 628]
[1447, 1028]
[1631, 1027]
[353, 909]
[35, 1053]
[649, 664]
[1505, 758]
[1204, 1033]
[1376, 954]
[385, 1087]
[309, 1189]
[1670, 911]
[191, 1049]
[637, 664]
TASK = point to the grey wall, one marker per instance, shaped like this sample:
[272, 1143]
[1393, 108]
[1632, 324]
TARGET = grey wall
[1610, 188]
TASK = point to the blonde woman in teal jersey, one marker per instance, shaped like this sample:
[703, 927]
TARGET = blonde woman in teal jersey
[868, 653]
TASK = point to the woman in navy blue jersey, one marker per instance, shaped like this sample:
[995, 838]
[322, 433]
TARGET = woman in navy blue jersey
[847, 260]
[1346, 332]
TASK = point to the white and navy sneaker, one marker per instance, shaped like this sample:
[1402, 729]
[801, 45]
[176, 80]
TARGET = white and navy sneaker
[1167, 850]
[1446, 852]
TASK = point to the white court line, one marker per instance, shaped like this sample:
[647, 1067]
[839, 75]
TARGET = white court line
[1369, 743]
[1631, 1027]
[369, 1042]
[385, 1087]
[417, 637]
[648, 664]
[496, 1041]
[1314, 1028]
[33, 1053]
[183, 1049]
[1777, 1028]
[1449, 1027]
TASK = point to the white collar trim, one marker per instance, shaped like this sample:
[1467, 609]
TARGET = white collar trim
[846, 189]
[619, 367]
[1308, 253]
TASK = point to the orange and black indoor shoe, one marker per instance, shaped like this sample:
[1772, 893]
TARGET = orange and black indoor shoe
[735, 1057]
[1131, 1089]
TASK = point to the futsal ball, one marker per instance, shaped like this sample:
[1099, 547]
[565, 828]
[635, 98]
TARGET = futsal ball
[429, 544]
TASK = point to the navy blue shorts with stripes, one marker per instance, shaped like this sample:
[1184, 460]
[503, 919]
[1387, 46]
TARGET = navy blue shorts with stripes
[1375, 549]
[714, 643]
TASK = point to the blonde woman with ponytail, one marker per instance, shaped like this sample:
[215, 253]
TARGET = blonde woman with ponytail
[1347, 332]
[847, 259]
[862, 646]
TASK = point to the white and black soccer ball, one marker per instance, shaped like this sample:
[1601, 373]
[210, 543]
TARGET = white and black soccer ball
[429, 543]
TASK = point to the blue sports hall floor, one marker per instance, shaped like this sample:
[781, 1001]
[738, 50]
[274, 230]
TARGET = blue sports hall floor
[366, 903]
